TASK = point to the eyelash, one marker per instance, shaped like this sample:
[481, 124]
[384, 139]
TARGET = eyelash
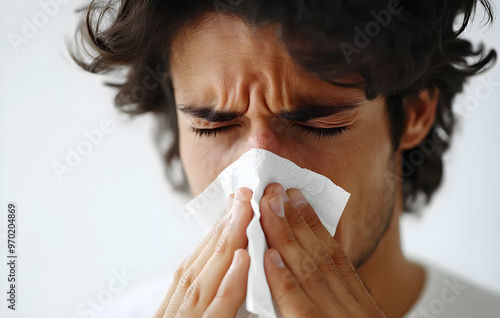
[324, 132]
[210, 132]
[317, 132]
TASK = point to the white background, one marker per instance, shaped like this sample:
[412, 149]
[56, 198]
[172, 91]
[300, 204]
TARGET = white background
[115, 211]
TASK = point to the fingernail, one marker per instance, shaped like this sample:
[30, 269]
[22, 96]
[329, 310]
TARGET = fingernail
[229, 204]
[276, 258]
[276, 205]
[236, 260]
[298, 199]
[281, 191]
[239, 195]
[235, 212]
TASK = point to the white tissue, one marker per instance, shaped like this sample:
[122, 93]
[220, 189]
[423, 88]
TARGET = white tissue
[256, 169]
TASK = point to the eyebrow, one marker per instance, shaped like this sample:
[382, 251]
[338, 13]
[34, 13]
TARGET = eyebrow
[302, 113]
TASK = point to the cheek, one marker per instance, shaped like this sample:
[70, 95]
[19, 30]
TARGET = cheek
[371, 152]
[365, 167]
[357, 163]
[366, 162]
[202, 161]
[364, 177]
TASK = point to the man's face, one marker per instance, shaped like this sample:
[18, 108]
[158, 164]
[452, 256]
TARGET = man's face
[226, 70]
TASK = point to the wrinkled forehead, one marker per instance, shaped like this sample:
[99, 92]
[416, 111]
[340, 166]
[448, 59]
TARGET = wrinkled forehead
[225, 48]
[222, 53]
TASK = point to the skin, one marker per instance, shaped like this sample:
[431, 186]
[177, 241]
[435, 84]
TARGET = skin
[226, 65]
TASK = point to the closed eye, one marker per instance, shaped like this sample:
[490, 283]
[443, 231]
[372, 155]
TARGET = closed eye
[317, 132]
[324, 132]
[200, 132]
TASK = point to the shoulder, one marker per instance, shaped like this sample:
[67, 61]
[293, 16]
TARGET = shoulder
[447, 295]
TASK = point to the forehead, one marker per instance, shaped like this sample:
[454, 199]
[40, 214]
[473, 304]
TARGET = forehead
[221, 42]
[221, 56]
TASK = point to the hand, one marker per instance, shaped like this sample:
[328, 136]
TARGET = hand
[212, 281]
[308, 272]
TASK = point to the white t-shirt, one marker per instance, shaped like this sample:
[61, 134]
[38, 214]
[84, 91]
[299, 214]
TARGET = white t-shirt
[444, 296]
[449, 296]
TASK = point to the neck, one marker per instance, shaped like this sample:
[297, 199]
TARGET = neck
[394, 281]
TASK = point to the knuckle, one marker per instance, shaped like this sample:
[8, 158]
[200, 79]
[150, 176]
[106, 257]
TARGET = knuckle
[309, 273]
[294, 217]
[311, 219]
[219, 227]
[322, 255]
[286, 238]
[180, 271]
[290, 283]
[312, 279]
[193, 296]
[325, 260]
[343, 262]
[222, 246]
[186, 279]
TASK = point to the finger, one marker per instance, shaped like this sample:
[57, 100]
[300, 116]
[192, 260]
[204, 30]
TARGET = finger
[280, 236]
[320, 252]
[285, 289]
[232, 290]
[350, 275]
[295, 198]
[341, 275]
[308, 241]
[201, 293]
[341, 263]
[310, 217]
[271, 188]
[186, 273]
[301, 230]
[329, 256]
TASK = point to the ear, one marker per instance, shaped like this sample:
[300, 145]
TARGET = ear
[420, 113]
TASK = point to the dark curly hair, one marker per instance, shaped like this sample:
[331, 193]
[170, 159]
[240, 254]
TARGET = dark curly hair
[398, 47]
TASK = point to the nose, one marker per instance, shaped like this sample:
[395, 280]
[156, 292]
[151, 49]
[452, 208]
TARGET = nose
[269, 133]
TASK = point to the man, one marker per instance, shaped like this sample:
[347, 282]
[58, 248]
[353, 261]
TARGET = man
[348, 89]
